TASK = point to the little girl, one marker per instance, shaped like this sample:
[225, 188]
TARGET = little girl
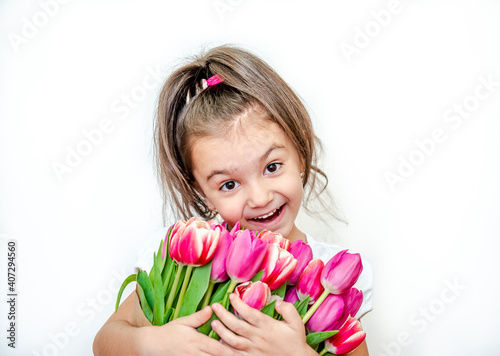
[232, 140]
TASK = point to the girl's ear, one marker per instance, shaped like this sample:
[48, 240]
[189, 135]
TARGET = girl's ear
[302, 166]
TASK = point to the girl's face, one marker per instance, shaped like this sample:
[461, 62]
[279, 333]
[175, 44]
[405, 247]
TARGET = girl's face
[251, 174]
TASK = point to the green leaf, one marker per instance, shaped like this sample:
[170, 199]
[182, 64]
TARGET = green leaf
[167, 255]
[168, 277]
[280, 291]
[167, 261]
[160, 262]
[144, 305]
[269, 309]
[217, 297]
[152, 270]
[301, 306]
[196, 289]
[207, 327]
[159, 300]
[129, 279]
[147, 286]
[168, 315]
[220, 292]
[258, 276]
[314, 339]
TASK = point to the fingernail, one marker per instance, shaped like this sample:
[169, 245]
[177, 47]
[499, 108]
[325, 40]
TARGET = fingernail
[215, 306]
[231, 296]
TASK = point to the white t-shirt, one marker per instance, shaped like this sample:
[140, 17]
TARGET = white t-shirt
[321, 250]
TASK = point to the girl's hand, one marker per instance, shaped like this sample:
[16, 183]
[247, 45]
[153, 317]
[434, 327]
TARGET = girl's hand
[180, 337]
[259, 334]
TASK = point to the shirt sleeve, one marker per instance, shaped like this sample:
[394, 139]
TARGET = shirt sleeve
[326, 251]
[146, 253]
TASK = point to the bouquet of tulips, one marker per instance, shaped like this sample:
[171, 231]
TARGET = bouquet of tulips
[200, 263]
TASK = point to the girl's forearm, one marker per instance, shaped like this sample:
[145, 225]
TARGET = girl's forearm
[117, 338]
[120, 334]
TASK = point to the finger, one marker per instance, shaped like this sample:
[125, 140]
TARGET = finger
[289, 314]
[229, 338]
[236, 325]
[217, 348]
[251, 315]
[197, 319]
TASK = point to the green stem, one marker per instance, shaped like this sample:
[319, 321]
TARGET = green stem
[230, 289]
[324, 351]
[213, 335]
[315, 306]
[167, 278]
[183, 291]
[208, 294]
[171, 296]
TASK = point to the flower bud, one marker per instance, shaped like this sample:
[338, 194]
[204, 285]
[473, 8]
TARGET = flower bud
[309, 283]
[278, 265]
[254, 294]
[291, 296]
[218, 273]
[328, 316]
[353, 299]
[303, 254]
[194, 243]
[245, 257]
[341, 272]
[347, 339]
[270, 238]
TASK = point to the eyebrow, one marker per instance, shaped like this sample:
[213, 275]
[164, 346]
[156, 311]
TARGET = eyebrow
[262, 158]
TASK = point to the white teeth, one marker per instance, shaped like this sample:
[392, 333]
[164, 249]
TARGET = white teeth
[267, 215]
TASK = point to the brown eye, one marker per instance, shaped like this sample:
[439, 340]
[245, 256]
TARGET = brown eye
[230, 185]
[273, 167]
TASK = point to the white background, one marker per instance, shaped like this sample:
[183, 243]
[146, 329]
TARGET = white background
[66, 72]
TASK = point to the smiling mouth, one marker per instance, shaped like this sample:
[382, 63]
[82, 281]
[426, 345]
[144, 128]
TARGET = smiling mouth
[270, 216]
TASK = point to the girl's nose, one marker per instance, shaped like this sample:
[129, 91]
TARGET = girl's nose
[259, 196]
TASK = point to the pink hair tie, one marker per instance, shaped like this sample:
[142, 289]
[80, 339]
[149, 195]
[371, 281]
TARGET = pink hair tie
[214, 80]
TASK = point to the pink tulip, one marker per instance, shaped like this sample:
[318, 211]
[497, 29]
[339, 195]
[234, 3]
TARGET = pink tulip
[303, 254]
[341, 272]
[353, 299]
[291, 295]
[270, 238]
[178, 225]
[350, 336]
[328, 316]
[309, 283]
[278, 266]
[254, 294]
[244, 257]
[236, 233]
[218, 273]
[193, 244]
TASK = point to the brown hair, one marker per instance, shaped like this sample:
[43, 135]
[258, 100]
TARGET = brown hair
[187, 111]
